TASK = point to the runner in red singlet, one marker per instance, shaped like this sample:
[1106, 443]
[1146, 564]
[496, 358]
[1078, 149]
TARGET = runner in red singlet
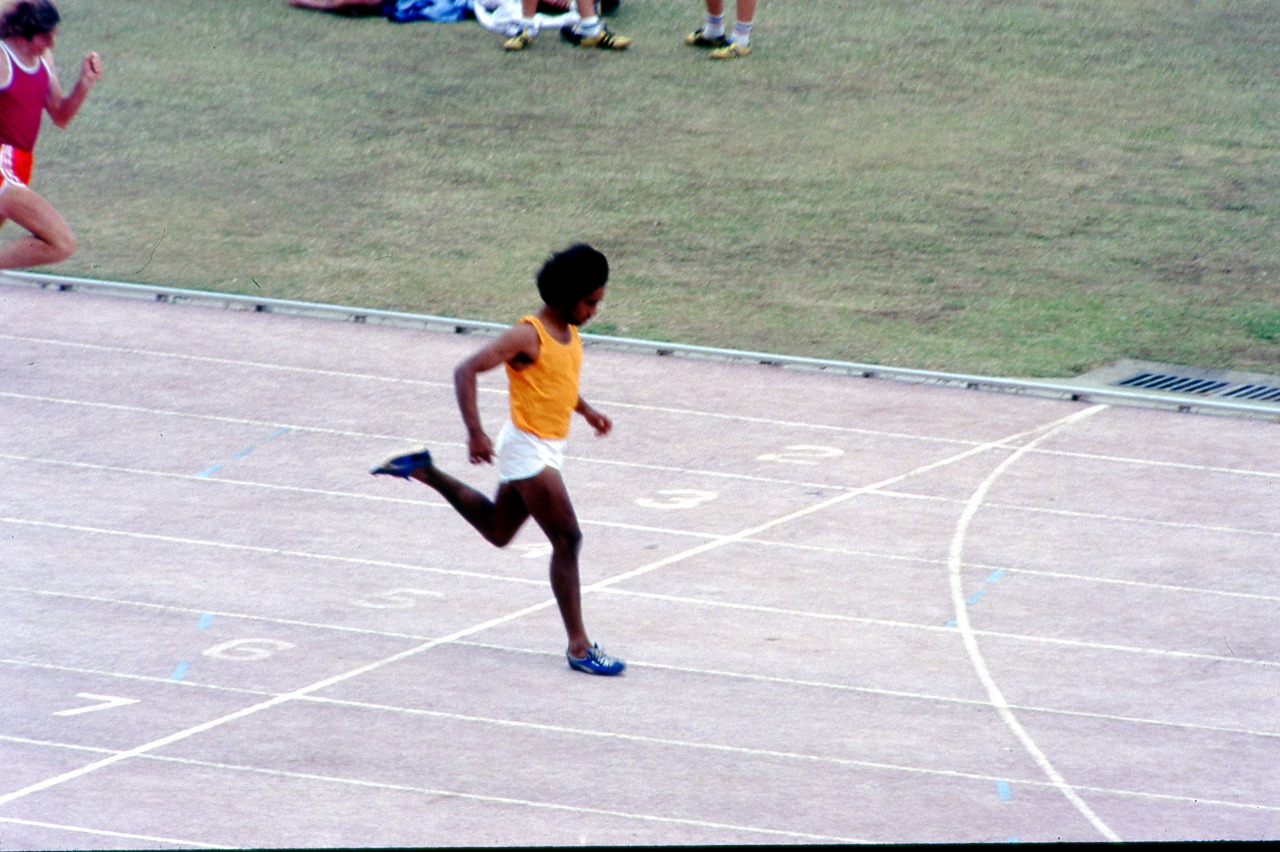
[29, 88]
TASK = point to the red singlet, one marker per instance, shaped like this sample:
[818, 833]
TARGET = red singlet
[22, 101]
[21, 111]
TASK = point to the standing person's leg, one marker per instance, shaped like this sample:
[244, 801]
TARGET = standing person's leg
[711, 33]
[51, 239]
[740, 43]
[548, 502]
[593, 31]
[528, 28]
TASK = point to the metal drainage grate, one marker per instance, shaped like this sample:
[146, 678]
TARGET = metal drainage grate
[1201, 387]
[1259, 393]
[1173, 384]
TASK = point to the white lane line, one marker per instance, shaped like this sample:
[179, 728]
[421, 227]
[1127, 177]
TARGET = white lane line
[423, 791]
[215, 418]
[662, 742]
[1198, 468]
[998, 701]
[227, 362]
[777, 680]
[448, 386]
[842, 551]
[503, 619]
[506, 800]
[1093, 516]
[673, 599]
[1014, 569]
[249, 548]
[121, 835]
[403, 788]
[871, 490]
[822, 505]
[373, 377]
[658, 468]
[275, 701]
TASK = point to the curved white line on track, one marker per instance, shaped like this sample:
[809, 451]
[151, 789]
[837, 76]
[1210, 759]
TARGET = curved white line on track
[954, 565]
[305, 691]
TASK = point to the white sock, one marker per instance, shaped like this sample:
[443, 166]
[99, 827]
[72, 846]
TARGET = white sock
[714, 27]
[590, 26]
[742, 34]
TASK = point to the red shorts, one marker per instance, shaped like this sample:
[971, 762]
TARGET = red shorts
[15, 166]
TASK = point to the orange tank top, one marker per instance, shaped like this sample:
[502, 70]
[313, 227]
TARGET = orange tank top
[544, 394]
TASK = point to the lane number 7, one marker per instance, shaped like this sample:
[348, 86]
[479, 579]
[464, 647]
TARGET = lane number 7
[106, 702]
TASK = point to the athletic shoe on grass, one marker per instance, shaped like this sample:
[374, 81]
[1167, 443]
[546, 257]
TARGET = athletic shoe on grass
[697, 39]
[605, 40]
[596, 662]
[520, 40]
[404, 466]
[733, 50]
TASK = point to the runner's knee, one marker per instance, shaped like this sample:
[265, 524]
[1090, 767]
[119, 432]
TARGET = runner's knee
[63, 246]
[568, 540]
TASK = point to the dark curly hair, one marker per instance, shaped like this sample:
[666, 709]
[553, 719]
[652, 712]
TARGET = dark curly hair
[29, 19]
[572, 274]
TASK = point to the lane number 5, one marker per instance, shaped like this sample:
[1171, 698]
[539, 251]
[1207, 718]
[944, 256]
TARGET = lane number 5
[678, 498]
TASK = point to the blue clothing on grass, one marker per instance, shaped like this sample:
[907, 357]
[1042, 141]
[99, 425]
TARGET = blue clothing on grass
[439, 11]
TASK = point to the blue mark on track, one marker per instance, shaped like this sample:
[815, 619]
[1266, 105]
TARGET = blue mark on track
[180, 671]
[205, 621]
[212, 469]
[1003, 791]
[994, 577]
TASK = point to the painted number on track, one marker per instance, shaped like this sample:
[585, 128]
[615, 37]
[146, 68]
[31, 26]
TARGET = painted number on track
[396, 599]
[247, 650]
[104, 702]
[677, 498]
[803, 454]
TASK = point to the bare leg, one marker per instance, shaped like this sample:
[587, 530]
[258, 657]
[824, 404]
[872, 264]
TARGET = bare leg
[545, 498]
[50, 240]
[548, 502]
[498, 520]
[345, 7]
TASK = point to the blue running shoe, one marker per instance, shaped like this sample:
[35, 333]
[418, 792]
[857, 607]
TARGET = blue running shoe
[404, 466]
[596, 662]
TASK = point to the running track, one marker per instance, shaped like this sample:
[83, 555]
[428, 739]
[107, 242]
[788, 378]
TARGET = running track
[853, 610]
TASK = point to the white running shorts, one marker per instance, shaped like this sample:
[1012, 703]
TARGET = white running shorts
[522, 455]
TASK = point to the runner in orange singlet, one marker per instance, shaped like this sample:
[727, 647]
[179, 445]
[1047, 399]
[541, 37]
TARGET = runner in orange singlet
[29, 88]
[542, 354]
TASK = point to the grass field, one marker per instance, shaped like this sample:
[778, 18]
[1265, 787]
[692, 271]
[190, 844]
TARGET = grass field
[1009, 188]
